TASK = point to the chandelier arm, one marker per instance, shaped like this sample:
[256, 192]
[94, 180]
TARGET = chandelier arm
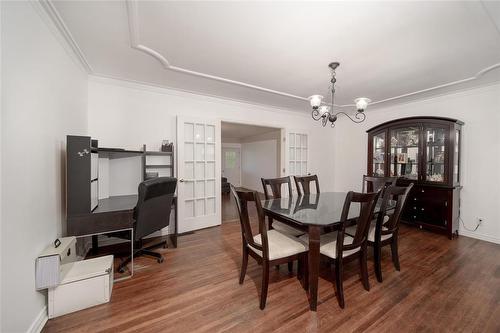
[316, 115]
[359, 117]
[324, 121]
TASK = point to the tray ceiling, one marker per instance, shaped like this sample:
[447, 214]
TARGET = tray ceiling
[276, 53]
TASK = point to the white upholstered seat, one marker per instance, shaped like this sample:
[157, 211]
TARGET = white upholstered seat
[286, 229]
[328, 244]
[371, 233]
[280, 245]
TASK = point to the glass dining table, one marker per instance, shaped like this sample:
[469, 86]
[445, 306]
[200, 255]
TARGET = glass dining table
[312, 213]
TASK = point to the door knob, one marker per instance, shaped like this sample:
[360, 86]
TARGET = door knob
[181, 180]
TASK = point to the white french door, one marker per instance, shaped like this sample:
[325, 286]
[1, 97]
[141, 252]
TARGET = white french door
[199, 192]
[297, 154]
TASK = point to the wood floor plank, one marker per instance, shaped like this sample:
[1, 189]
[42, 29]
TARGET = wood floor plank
[443, 286]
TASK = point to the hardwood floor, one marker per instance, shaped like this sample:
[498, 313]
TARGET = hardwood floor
[443, 286]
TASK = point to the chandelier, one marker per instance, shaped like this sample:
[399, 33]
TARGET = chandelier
[324, 112]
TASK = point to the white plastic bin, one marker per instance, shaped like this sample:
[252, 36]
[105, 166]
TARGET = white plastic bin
[84, 284]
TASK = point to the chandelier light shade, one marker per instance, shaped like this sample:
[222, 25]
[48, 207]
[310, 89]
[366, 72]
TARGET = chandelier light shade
[362, 103]
[324, 112]
[315, 101]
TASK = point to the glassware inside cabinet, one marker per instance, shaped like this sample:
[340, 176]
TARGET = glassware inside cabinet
[379, 154]
[405, 152]
[435, 155]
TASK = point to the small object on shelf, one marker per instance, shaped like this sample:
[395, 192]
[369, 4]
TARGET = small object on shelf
[150, 175]
[166, 146]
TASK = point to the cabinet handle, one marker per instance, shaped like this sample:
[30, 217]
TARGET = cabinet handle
[423, 191]
[414, 207]
[422, 209]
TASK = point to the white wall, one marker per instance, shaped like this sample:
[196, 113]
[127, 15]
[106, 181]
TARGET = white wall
[44, 98]
[124, 114]
[480, 110]
[260, 158]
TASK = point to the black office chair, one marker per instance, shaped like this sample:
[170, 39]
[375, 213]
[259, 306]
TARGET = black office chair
[152, 213]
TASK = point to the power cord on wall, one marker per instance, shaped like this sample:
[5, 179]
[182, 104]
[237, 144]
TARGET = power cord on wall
[477, 225]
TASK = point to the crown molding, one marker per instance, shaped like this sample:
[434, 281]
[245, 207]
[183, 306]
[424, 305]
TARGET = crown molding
[53, 14]
[135, 44]
[133, 24]
[162, 89]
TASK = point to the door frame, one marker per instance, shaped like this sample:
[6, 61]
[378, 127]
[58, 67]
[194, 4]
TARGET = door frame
[282, 156]
[231, 146]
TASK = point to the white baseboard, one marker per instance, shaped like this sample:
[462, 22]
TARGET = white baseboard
[478, 236]
[39, 322]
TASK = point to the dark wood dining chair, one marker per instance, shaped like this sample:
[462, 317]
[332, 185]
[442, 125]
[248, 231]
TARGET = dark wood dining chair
[276, 185]
[303, 184]
[268, 247]
[385, 230]
[374, 183]
[340, 248]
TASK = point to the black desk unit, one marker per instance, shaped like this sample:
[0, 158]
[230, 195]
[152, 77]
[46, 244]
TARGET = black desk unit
[86, 215]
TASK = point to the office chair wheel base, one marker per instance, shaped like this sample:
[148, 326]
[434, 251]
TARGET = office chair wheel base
[160, 260]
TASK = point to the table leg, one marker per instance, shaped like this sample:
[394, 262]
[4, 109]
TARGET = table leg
[314, 232]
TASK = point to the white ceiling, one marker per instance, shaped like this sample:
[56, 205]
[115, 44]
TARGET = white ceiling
[276, 53]
[241, 131]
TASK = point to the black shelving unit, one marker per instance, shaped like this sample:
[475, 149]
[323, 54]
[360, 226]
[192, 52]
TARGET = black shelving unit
[146, 166]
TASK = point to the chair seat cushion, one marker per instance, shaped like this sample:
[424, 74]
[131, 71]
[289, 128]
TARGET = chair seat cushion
[280, 245]
[328, 244]
[286, 229]
[371, 233]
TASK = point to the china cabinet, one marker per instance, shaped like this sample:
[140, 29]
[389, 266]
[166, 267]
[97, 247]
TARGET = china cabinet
[424, 151]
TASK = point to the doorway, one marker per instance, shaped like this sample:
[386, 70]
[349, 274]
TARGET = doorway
[249, 153]
[231, 164]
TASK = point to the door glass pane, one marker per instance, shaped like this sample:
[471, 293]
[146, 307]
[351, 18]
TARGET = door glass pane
[189, 170]
[210, 188]
[456, 158]
[189, 186]
[291, 137]
[189, 207]
[200, 189]
[435, 154]
[210, 208]
[210, 133]
[188, 132]
[200, 170]
[292, 168]
[199, 133]
[210, 152]
[200, 207]
[200, 151]
[210, 170]
[379, 155]
[230, 159]
[292, 154]
[405, 152]
[188, 151]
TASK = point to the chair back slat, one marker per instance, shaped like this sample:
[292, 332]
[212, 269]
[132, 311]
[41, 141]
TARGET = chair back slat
[276, 185]
[373, 184]
[367, 203]
[242, 198]
[303, 184]
[400, 194]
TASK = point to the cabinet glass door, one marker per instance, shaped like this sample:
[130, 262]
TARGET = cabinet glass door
[379, 155]
[456, 158]
[405, 152]
[435, 153]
